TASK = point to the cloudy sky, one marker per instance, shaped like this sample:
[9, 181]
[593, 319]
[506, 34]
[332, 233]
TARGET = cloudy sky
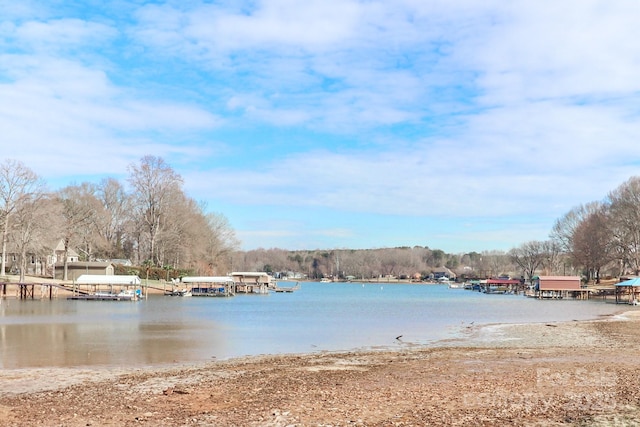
[460, 125]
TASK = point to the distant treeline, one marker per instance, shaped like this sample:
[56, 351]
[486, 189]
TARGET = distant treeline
[403, 262]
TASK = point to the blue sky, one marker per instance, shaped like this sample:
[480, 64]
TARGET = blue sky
[463, 126]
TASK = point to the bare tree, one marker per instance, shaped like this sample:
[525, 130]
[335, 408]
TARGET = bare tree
[79, 207]
[111, 223]
[154, 183]
[592, 244]
[528, 256]
[550, 256]
[624, 224]
[18, 185]
[184, 235]
[33, 223]
[490, 263]
[564, 228]
[221, 241]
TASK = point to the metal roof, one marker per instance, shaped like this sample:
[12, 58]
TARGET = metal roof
[249, 273]
[100, 279]
[632, 282]
[206, 279]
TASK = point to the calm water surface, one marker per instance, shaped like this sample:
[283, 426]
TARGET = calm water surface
[317, 317]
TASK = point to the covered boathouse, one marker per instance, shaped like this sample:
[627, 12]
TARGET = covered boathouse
[104, 287]
[501, 286]
[209, 286]
[559, 287]
[627, 291]
[252, 282]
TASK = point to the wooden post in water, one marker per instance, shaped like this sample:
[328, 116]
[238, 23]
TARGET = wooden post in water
[26, 290]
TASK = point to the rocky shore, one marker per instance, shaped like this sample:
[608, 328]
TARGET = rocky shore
[575, 373]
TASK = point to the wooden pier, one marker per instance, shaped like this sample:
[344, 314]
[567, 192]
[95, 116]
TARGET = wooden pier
[78, 290]
[30, 290]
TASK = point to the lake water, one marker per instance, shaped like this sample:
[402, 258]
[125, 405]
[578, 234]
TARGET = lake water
[317, 317]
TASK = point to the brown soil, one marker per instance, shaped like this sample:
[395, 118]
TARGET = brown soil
[577, 373]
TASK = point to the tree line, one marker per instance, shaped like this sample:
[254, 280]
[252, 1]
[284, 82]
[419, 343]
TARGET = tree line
[413, 263]
[153, 224]
[593, 240]
[596, 240]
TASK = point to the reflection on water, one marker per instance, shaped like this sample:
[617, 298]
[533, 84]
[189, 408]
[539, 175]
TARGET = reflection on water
[77, 333]
[318, 317]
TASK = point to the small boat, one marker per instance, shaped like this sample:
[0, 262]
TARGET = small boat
[492, 289]
[179, 293]
[96, 296]
[287, 289]
[124, 295]
[127, 295]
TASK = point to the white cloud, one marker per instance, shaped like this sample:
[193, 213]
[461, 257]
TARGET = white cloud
[311, 24]
[411, 107]
[577, 48]
[62, 33]
[62, 117]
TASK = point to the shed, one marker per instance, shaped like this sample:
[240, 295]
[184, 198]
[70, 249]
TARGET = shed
[559, 287]
[77, 269]
[559, 283]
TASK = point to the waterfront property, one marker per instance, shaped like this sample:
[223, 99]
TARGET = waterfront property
[209, 286]
[88, 286]
[559, 287]
[106, 288]
[252, 282]
[627, 291]
[84, 268]
[501, 286]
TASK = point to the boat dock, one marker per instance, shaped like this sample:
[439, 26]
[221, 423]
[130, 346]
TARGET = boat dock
[35, 290]
[252, 282]
[287, 289]
[89, 287]
[206, 286]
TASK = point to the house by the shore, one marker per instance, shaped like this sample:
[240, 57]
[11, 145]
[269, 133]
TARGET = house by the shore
[77, 269]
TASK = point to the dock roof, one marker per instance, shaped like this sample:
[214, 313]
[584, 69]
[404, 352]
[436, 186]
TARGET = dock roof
[631, 282]
[206, 279]
[101, 279]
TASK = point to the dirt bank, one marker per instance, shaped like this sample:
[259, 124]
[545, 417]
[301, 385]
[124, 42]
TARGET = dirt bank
[578, 373]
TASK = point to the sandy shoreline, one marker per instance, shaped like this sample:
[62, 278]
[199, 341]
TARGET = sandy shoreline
[573, 373]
